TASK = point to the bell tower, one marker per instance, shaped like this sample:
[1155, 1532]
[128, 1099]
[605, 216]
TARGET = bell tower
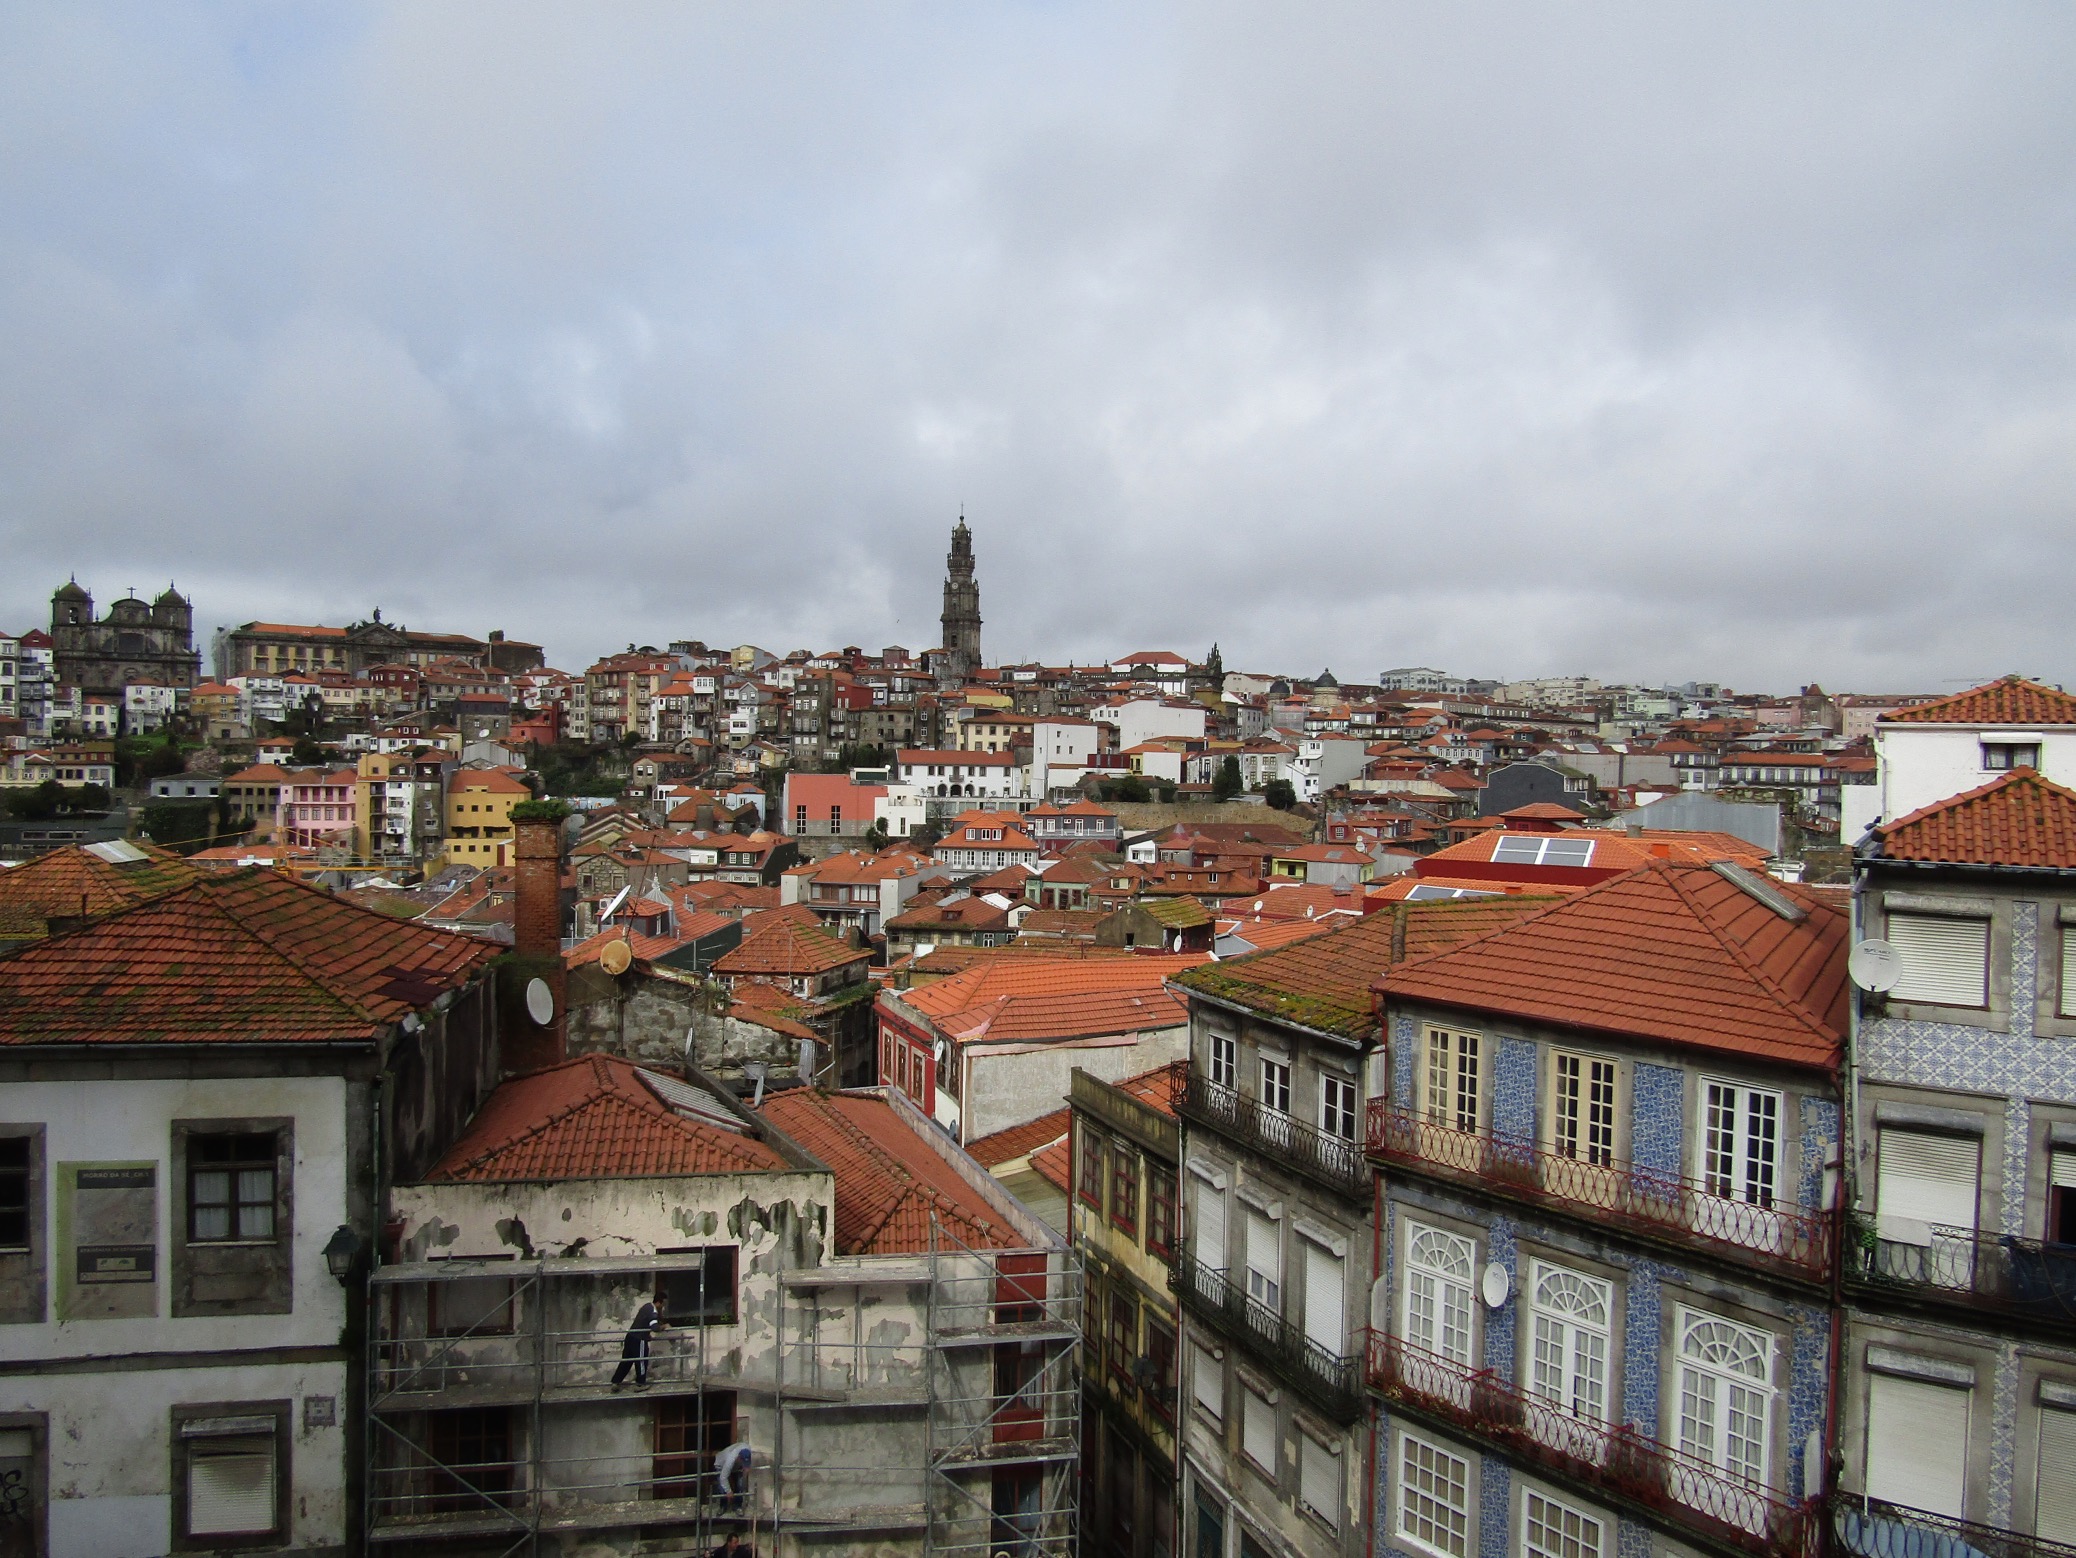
[961, 620]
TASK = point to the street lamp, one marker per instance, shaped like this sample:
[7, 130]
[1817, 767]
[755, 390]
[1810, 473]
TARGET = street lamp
[341, 1251]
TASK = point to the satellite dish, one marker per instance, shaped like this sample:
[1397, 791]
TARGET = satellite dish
[615, 958]
[1874, 966]
[1495, 1285]
[540, 1002]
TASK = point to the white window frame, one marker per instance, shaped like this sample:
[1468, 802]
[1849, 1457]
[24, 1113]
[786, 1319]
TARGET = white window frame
[1585, 1106]
[1264, 1258]
[1412, 1517]
[1573, 1541]
[1569, 1350]
[1339, 1112]
[1452, 1078]
[1735, 1161]
[1436, 1310]
[1707, 1412]
[1275, 1084]
[1224, 1058]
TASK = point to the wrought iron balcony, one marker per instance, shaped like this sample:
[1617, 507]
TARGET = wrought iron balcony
[1872, 1528]
[1329, 1382]
[1625, 1195]
[1332, 1161]
[1615, 1458]
[1964, 1268]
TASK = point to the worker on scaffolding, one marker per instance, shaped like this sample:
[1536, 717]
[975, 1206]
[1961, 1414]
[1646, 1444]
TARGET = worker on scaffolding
[734, 1547]
[732, 1475]
[634, 1349]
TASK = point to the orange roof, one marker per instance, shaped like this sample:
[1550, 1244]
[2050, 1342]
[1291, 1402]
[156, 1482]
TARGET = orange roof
[1298, 903]
[1157, 1089]
[1679, 953]
[1400, 887]
[769, 1007]
[493, 780]
[787, 947]
[890, 1183]
[1037, 999]
[80, 880]
[594, 1118]
[2018, 819]
[1055, 1164]
[1019, 1140]
[1326, 982]
[1265, 935]
[2010, 700]
[247, 957]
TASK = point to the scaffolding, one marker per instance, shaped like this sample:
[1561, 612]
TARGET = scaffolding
[924, 1402]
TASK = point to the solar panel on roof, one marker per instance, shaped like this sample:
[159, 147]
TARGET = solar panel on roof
[118, 852]
[1542, 849]
[1427, 892]
[1756, 886]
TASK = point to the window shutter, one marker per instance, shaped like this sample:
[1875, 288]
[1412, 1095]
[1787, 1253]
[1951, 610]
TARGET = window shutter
[1258, 1430]
[1264, 1258]
[1923, 1179]
[1210, 1227]
[1325, 1324]
[1917, 1444]
[2068, 1007]
[2054, 1512]
[1207, 1383]
[2061, 1168]
[1945, 961]
[1319, 1480]
[230, 1487]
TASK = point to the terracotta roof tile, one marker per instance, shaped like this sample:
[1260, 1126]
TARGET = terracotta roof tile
[785, 946]
[79, 882]
[1327, 982]
[593, 1118]
[890, 1183]
[1055, 1164]
[2010, 700]
[1019, 1140]
[2018, 819]
[1678, 953]
[1038, 999]
[246, 957]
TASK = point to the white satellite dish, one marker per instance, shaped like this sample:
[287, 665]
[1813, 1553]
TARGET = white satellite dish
[1874, 966]
[540, 1002]
[1495, 1285]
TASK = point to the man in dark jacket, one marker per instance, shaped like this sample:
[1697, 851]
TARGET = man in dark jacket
[634, 1350]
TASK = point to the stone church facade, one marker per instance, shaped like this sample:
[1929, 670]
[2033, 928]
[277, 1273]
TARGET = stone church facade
[135, 642]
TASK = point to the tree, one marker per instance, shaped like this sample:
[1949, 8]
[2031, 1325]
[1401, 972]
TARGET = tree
[1279, 794]
[306, 753]
[1228, 782]
[1131, 788]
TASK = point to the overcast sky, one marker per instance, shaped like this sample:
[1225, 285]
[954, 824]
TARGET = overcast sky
[1648, 342]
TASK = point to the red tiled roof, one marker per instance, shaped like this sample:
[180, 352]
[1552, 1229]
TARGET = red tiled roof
[1156, 1088]
[1019, 1140]
[1326, 982]
[2018, 819]
[1055, 1164]
[593, 1118]
[1037, 999]
[785, 946]
[247, 957]
[769, 1007]
[1678, 953]
[2010, 700]
[75, 881]
[890, 1183]
[1265, 935]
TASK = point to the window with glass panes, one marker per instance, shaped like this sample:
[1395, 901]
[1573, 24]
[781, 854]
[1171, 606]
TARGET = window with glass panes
[1570, 1316]
[1090, 1179]
[1124, 1188]
[1160, 1208]
[1337, 1106]
[14, 1191]
[1582, 1107]
[1438, 1292]
[230, 1187]
[1275, 1085]
[1740, 1148]
[1725, 1394]
[1553, 1529]
[1225, 1059]
[1452, 1082]
[1434, 1497]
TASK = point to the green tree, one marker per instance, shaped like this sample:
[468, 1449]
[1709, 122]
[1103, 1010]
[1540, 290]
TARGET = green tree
[1131, 789]
[306, 753]
[1228, 782]
[1279, 794]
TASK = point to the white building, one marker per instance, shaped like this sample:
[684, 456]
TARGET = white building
[1140, 720]
[1932, 751]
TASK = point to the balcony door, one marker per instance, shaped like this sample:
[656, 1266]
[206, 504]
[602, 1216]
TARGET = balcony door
[1926, 1191]
[1326, 1282]
[1437, 1315]
[1724, 1408]
[1570, 1318]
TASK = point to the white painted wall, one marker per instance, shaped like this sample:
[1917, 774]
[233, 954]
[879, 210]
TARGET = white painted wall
[1919, 765]
[1013, 1085]
[1142, 719]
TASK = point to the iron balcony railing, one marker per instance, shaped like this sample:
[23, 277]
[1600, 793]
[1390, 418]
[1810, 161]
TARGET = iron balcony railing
[1963, 1267]
[1330, 1382]
[1872, 1528]
[1615, 1458]
[1626, 1195]
[1332, 1161]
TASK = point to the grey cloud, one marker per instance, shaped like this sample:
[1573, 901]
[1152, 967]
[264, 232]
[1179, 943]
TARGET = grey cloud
[1726, 341]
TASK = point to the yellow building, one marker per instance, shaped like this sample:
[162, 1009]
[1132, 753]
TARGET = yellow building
[479, 816]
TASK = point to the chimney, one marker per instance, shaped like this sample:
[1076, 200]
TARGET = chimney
[537, 943]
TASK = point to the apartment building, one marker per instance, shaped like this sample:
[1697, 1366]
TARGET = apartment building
[1958, 1402]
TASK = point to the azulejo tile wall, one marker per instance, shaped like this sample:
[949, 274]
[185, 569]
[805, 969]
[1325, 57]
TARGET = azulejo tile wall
[1657, 1129]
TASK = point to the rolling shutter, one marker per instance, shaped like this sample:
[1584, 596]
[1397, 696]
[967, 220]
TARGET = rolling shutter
[230, 1486]
[2061, 1168]
[1945, 960]
[2054, 1506]
[1264, 1259]
[1917, 1444]
[1325, 1283]
[1207, 1383]
[1210, 1227]
[1923, 1179]
[1258, 1430]
[1319, 1480]
[2068, 1007]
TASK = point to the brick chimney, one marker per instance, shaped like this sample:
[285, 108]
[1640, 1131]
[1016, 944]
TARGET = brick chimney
[537, 941]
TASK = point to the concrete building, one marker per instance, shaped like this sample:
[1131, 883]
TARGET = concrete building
[190, 1088]
[1958, 1399]
[478, 826]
